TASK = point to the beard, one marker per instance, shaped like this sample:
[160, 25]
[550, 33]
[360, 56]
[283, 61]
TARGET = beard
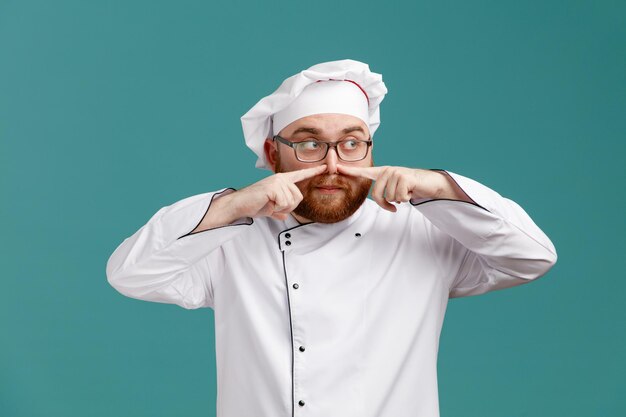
[330, 208]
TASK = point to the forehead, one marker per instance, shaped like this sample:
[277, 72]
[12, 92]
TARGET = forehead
[327, 123]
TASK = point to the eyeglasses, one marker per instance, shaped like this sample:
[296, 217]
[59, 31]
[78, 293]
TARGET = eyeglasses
[311, 150]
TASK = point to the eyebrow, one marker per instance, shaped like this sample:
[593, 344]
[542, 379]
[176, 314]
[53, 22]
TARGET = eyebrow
[315, 131]
[353, 129]
[310, 130]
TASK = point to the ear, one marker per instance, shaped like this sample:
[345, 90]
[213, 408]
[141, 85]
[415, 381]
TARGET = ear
[271, 151]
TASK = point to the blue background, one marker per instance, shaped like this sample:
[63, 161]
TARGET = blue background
[110, 110]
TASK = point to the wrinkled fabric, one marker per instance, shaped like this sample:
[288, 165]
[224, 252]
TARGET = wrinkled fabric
[332, 320]
[339, 97]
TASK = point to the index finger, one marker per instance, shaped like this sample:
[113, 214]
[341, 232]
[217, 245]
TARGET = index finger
[367, 172]
[303, 174]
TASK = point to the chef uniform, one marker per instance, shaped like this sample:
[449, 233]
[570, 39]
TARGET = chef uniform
[331, 320]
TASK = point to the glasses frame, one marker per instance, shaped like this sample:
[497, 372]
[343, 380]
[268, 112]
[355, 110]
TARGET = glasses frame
[329, 145]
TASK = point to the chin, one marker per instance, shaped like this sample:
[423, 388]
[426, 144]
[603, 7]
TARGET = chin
[327, 209]
[342, 200]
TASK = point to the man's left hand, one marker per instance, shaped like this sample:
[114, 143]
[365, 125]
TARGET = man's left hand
[400, 184]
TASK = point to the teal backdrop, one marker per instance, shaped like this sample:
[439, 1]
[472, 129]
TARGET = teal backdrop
[110, 110]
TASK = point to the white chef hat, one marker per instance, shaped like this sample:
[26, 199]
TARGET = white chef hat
[314, 91]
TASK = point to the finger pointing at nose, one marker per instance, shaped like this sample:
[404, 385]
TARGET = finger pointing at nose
[303, 174]
[371, 173]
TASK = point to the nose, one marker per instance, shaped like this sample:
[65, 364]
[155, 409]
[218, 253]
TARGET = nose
[331, 161]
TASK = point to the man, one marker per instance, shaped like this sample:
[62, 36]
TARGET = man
[328, 303]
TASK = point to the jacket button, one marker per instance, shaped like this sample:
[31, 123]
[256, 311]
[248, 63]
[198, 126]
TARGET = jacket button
[301, 403]
[288, 243]
[301, 348]
[287, 235]
[296, 286]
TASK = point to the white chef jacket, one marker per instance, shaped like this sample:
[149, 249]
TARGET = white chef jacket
[332, 320]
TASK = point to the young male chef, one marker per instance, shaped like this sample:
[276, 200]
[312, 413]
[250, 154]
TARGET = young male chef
[327, 303]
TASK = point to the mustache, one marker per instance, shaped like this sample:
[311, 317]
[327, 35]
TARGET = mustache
[329, 180]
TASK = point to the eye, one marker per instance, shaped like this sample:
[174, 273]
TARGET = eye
[350, 144]
[308, 145]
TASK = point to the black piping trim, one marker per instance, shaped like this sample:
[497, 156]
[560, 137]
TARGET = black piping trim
[451, 199]
[293, 385]
[293, 378]
[219, 227]
[286, 230]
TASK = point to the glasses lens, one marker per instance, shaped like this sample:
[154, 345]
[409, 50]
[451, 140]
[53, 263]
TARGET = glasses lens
[352, 150]
[310, 150]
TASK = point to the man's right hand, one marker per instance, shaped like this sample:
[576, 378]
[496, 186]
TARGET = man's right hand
[275, 196]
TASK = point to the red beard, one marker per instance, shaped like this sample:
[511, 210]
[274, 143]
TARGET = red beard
[347, 195]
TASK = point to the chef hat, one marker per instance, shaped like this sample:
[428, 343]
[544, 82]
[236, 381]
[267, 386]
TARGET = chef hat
[320, 89]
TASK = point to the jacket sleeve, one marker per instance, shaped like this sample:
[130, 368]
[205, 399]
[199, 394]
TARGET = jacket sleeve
[486, 245]
[163, 262]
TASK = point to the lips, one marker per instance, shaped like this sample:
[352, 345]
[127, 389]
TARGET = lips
[329, 188]
[329, 184]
